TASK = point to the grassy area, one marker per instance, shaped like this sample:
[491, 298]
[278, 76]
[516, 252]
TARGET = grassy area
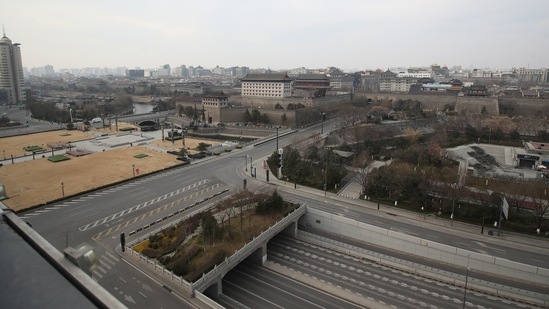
[58, 158]
[140, 156]
[33, 148]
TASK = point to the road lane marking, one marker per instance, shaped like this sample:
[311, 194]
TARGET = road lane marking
[105, 264]
[143, 216]
[139, 206]
[112, 256]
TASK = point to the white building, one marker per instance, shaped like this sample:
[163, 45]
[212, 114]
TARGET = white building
[277, 85]
[416, 75]
[533, 75]
[390, 82]
[12, 83]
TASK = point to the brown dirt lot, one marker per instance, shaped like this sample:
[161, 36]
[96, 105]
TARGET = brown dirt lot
[14, 145]
[190, 143]
[38, 182]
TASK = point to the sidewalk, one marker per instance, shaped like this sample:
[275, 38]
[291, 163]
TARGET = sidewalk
[433, 222]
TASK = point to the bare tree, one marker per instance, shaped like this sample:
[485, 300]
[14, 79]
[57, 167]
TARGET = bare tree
[361, 166]
[538, 193]
[412, 135]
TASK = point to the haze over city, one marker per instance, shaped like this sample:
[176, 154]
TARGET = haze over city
[351, 35]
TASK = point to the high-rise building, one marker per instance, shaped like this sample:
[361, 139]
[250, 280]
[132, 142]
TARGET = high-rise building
[12, 82]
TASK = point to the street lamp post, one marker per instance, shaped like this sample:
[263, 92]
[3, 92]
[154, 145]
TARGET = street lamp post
[322, 123]
[251, 166]
[276, 138]
[246, 164]
[63, 189]
[326, 174]
[500, 218]
[133, 170]
[466, 279]
[453, 204]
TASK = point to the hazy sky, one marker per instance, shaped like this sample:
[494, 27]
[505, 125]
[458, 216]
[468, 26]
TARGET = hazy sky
[280, 34]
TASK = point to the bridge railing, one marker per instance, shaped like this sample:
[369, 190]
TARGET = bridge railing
[247, 249]
[159, 269]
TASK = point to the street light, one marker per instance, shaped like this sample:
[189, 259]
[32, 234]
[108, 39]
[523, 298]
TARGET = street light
[466, 279]
[63, 189]
[276, 138]
[453, 204]
[133, 170]
[251, 166]
[326, 174]
[322, 116]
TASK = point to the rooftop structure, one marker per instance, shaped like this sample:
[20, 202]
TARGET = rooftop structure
[36, 275]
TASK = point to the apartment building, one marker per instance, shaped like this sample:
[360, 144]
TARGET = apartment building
[12, 82]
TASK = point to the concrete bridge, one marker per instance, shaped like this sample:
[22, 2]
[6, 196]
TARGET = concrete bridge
[256, 248]
[212, 281]
[144, 120]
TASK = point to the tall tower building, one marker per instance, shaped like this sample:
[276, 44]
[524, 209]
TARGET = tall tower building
[12, 82]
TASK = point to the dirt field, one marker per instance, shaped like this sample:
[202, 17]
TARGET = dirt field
[189, 143]
[39, 181]
[14, 145]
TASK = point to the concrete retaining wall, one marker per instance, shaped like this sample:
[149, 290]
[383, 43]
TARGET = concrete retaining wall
[424, 248]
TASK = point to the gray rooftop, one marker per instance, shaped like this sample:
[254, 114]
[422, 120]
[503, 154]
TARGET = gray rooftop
[31, 277]
[267, 77]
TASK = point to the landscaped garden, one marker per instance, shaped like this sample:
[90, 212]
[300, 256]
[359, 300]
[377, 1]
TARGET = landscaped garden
[196, 244]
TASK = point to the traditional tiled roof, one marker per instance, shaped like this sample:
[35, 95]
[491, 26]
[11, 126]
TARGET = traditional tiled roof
[311, 77]
[215, 94]
[388, 74]
[271, 77]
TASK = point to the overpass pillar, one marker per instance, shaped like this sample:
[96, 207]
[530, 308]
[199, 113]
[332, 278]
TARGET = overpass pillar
[216, 289]
[260, 254]
[291, 229]
[219, 285]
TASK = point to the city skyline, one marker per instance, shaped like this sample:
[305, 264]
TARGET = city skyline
[352, 35]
